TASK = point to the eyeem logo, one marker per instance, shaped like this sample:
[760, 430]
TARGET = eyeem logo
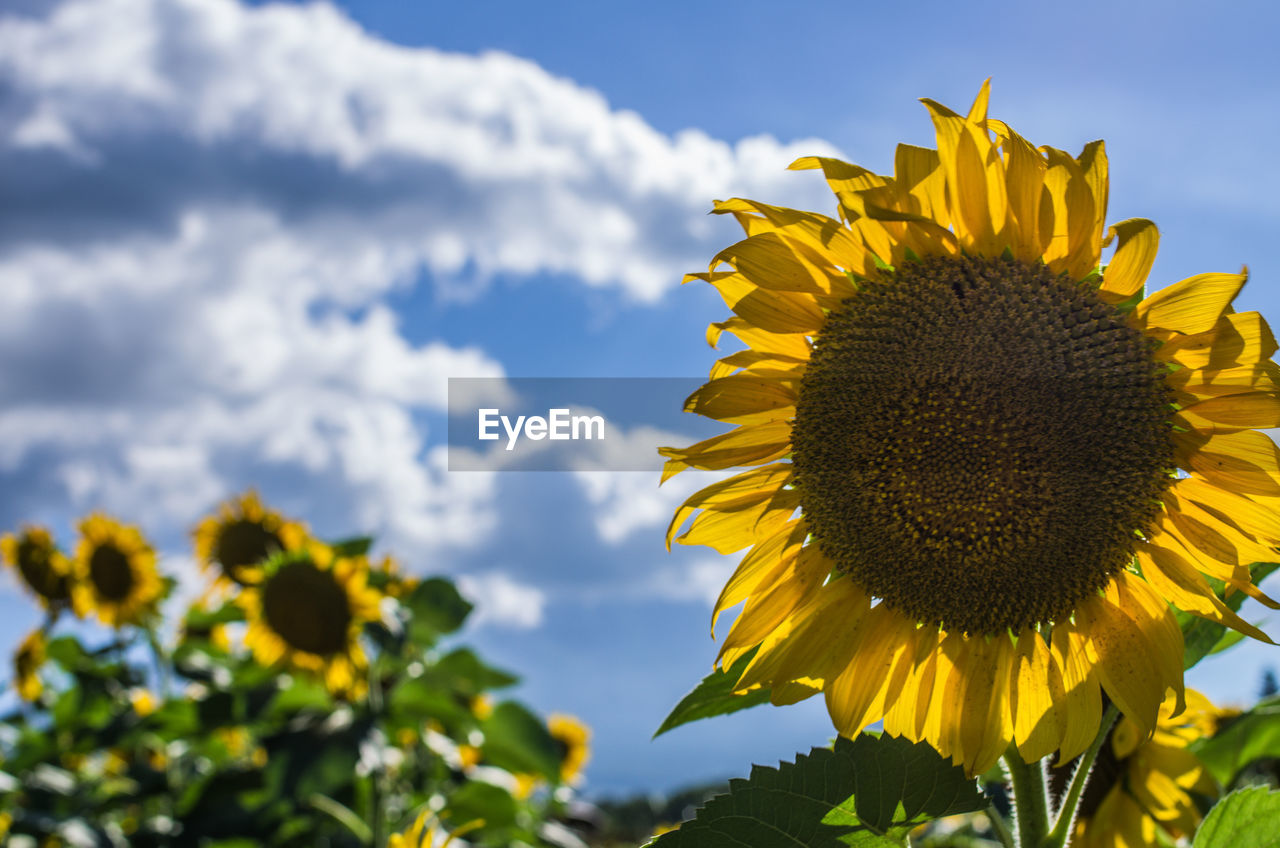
[558, 425]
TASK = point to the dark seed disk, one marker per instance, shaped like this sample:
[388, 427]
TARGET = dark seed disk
[977, 441]
[308, 608]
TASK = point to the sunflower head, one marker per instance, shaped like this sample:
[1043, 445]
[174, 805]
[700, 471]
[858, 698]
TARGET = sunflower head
[241, 535]
[43, 569]
[115, 572]
[27, 661]
[573, 737]
[979, 466]
[308, 610]
[1140, 786]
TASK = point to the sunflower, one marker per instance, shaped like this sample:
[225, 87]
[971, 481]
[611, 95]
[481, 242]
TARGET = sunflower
[1139, 789]
[115, 572]
[981, 467]
[26, 666]
[242, 534]
[308, 607]
[572, 736]
[420, 834]
[43, 568]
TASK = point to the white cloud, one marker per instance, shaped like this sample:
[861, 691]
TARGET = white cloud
[210, 206]
[700, 580]
[502, 601]
[487, 162]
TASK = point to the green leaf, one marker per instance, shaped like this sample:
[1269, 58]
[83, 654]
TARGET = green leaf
[462, 671]
[1202, 636]
[714, 696]
[1255, 735]
[518, 741]
[353, 547]
[869, 792]
[435, 608]
[1244, 818]
[477, 800]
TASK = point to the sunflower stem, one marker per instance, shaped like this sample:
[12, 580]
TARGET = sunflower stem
[1001, 827]
[377, 837]
[1061, 833]
[1030, 800]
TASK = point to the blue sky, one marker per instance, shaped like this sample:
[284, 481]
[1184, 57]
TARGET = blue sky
[248, 244]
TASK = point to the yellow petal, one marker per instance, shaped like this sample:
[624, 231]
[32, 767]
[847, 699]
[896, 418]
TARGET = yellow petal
[1237, 339]
[767, 555]
[774, 311]
[771, 262]
[729, 529]
[1193, 305]
[791, 345]
[747, 489]
[1138, 655]
[1082, 704]
[786, 588]
[1224, 414]
[746, 398]
[918, 171]
[881, 658]
[1036, 698]
[1134, 256]
[1246, 461]
[753, 444]
[824, 236]
[1248, 515]
[1175, 578]
[814, 641]
[977, 695]
[1025, 169]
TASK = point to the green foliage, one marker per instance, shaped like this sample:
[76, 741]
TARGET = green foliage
[195, 742]
[1242, 741]
[714, 696]
[869, 792]
[1203, 637]
[1244, 818]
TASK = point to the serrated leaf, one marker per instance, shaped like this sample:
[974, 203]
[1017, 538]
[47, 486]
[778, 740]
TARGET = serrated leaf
[1244, 818]
[1202, 636]
[1252, 736]
[870, 791]
[714, 696]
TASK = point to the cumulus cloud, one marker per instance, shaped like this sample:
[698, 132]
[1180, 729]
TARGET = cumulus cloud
[502, 601]
[206, 207]
[472, 165]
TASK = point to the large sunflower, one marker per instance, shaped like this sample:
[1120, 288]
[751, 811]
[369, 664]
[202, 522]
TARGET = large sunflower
[242, 534]
[981, 467]
[43, 568]
[308, 608]
[115, 572]
[1138, 788]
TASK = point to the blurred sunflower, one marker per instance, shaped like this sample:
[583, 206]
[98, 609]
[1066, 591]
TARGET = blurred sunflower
[43, 568]
[573, 737]
[115, 572]
[1138, 788]
[242, 534]
[421, 835]
[26, 666]
[980, 466]
[308, 607]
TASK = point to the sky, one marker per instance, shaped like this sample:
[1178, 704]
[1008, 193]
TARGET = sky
[248, 244]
